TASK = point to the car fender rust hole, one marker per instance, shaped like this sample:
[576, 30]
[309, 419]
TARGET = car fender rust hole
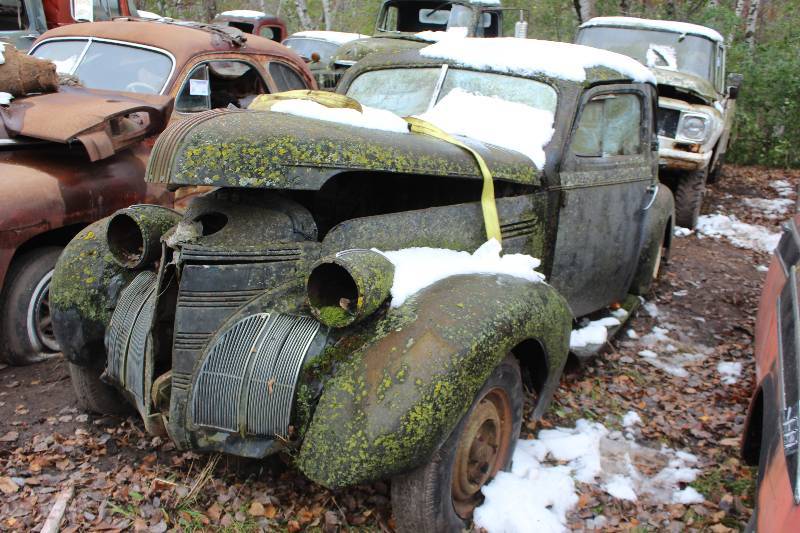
[212, 222]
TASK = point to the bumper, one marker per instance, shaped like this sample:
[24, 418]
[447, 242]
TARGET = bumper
[673, 159]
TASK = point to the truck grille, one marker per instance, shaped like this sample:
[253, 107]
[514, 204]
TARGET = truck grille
[247, 379]
[668, 122]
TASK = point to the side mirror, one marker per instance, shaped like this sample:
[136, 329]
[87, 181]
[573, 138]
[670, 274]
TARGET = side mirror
[734, 82]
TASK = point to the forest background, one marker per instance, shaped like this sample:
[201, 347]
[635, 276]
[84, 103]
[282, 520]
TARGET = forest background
[763, 38]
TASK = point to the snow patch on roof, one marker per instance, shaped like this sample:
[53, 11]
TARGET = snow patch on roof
[370, 117]
[148, 15]
[729, 371]
[338, 37]
[740, 234]
[436, 36]
[417, 268]
[492, 120]
[5, 98]
[528, 57]
[540, 490]
[244, 13]
[653, 24]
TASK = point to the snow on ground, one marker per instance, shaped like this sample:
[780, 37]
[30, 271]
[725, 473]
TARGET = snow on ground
[630, 419]
[370, 117]
[670, 355]
[417, 268]
[651, 308]
[537, 493]
[244, 13]
[681, 231]
[769, 207]
[783, 188]
[595, 332]
[740, 234]
[729, 371]
[338, 37]
[493, 120]
[527, 57]
[666, 25]
[5, 98]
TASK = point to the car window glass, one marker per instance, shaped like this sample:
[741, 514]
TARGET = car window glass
[217, 84]
[266, 32]
[64, 54]
[123, 68]
[305, 48]
[12, 15]
[610, 125]
[520, 90]
[390, 19]
[404, 92]
[285, 78]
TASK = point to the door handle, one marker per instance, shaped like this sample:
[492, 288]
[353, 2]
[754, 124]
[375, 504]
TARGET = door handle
[653, 190]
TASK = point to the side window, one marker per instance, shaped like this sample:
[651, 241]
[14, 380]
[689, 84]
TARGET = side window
[389, 22]
[610, 125]
[285, 78]
[267, 32]
[216, 84]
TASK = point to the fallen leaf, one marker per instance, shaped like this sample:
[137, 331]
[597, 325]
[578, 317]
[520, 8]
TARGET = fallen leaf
[8, 486]
[11, 436]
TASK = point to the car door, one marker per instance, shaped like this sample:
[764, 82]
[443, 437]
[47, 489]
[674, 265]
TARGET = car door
[607, 179]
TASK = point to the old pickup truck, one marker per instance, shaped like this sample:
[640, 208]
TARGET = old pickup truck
[265, 319]
[696, 101]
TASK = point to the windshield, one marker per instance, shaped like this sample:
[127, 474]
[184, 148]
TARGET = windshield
[411, 91]
[306, 47]
[111, 66]
[435, 15]
[656, 49]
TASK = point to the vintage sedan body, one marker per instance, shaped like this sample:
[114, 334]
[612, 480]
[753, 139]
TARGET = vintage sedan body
[772, 431]
[262, 318]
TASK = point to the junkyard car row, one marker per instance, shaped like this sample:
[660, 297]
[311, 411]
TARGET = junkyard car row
[225, 280]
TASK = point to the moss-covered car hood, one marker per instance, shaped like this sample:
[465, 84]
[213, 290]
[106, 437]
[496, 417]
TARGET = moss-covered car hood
[263, 149]
[360, 48]
[688, 83]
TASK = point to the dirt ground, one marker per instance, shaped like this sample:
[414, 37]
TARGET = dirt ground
[122, 478]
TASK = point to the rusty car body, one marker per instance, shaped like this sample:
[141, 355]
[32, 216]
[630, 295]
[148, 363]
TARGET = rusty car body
[57, 177]
[254, 22]
[260, 320]
[696, 99]
[772, 429]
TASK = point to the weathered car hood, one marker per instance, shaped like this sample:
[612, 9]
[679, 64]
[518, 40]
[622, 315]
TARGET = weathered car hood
[360, 48]
[99, 120]
[689, 83]
[263, 149]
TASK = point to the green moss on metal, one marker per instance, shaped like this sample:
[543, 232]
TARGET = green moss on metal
[334, 316]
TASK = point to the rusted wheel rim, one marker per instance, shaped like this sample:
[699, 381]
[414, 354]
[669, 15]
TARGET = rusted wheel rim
[482, 450]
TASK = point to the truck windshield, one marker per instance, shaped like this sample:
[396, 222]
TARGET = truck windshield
[13, 16]
[110, 66]
[656, 49]
[305, 47]
[412, 16]
[410, 91]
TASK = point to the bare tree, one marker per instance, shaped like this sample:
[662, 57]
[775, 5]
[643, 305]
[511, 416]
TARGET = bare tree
[739, 9]
[585, 9]
[752, 23]
[302, 14]
[329, 8]
[624, 7]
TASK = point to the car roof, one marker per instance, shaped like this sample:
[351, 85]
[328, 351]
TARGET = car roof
[528, 58]
[182, 39]
[655, 24]
[247, 15]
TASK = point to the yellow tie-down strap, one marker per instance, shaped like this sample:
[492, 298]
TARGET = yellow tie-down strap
[416, 125]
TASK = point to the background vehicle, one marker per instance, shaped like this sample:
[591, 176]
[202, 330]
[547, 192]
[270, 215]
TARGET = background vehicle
[771, 431]
[254, 22]
[57, 177]
[400, 21]
[317, 49]
[696, 107]
[267, 323]
[22, 21]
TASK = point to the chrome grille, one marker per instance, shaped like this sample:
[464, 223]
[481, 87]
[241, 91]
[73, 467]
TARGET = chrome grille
[265, 366]
[134, 361]
[668, 122]
[124, 320]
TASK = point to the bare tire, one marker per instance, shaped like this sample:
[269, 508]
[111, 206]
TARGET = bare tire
[441, 494]
[94, 395]
[26, 326]
[690, 189]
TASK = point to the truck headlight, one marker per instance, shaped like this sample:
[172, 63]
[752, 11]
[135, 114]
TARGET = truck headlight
[694, 127]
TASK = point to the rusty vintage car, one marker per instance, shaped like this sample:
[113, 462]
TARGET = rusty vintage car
[59, 175]
[263, 320]
[696, 99]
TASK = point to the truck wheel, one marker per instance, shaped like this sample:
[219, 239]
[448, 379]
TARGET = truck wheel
[94, 395]
[689, 192]
[441, 495]
[26, 325]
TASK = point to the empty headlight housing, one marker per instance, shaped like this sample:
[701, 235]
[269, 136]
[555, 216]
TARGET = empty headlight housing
[693, 127]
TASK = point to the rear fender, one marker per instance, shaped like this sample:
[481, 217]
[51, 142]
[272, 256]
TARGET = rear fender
[399, 396]
[657, 225]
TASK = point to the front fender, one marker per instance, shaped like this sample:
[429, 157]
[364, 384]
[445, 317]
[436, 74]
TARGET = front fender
[398, 398]
[657, 225]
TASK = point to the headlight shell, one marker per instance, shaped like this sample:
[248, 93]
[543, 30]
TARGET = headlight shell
[694, 127]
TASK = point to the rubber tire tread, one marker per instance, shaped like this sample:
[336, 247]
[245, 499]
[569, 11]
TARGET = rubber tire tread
[689, 193]
[94, 395]
[421, 498]
[25, 273]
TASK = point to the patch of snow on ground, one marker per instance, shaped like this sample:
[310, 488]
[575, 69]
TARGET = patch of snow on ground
[489, 119]
[539, 491]
[632, 334]
[762, 268]
[680, 231]
[370, 117]
[651, 308]
[417, 268]
[338, 37]
[771, 208]
[527, 57]
[783, 188]
[670, 355]
[729, 371]
[5, 98]
[740, 234]
[630, 419]
[595, 332]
